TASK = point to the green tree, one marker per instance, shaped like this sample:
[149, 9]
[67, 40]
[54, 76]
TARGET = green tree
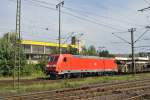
[92, 51]
[42, 63]
[54, 50]
[84, 51]
[7, 54]
[142, 54]
[73, 51]
[105, 53]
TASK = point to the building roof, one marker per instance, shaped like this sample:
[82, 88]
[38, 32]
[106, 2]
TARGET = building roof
[41, 43]
[136, 58]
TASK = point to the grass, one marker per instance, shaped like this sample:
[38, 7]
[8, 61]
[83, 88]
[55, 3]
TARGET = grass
[33, 76]
[11, 78]
[68, 83]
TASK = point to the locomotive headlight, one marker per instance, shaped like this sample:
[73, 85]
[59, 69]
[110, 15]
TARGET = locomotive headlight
[47, 65]
[54, 65]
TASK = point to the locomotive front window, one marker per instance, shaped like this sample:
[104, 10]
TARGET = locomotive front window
[53, 58]
[56, 58]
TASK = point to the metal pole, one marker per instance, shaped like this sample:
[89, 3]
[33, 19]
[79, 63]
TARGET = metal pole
[132, 47]
[59, 8]
[19, 44]
[14, 67]
[17, 39]
[15, 44]
[78, 47]
[59, 30]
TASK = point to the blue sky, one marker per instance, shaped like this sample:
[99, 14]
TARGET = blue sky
[104, 17]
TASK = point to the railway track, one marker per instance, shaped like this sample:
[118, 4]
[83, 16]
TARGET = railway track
[45, 80]
[132, 90]
[140, 96]
[29, 81]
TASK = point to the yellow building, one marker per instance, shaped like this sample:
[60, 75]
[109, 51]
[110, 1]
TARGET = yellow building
[34, 50]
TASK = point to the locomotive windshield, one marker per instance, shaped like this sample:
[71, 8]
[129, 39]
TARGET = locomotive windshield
[53, 58]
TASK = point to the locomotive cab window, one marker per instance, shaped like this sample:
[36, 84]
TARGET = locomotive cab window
[51, 59]
[65, 59]
[56, 58]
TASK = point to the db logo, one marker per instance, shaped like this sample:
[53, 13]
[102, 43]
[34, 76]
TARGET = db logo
[95, 64]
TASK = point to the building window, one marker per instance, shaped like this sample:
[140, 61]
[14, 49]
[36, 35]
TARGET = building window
[26, 48]
[48, 50]
[38, 49]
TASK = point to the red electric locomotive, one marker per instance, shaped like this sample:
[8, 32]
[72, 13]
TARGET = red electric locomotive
[67, 65]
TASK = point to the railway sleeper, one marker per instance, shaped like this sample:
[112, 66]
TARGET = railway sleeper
[109, 92]
[77, 93]
[140, 97]
[89, 88]
[80, 93]
[101, 89]
[106, 85]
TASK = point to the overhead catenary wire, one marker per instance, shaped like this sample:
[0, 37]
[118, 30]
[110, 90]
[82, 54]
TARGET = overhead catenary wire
[141, 36]
[40, 27]
[88, 20]
[97, 20]
[147, 2]
[28, 37]
[88, 13]
[146, 39]
[105, 17]
[119, 42]
[78, 17]
[121, 32]
[81, 18]
[121, 38]
[142, 46]
[138, 39]
[121, 20]
[43, 2]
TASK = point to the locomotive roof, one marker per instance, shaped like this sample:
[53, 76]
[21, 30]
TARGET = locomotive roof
[95, 57]
[82, 56]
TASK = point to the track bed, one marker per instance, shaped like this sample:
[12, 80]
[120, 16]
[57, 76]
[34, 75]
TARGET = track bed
[129, 90]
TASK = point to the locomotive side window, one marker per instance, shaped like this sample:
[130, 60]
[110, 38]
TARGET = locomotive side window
[65, 59]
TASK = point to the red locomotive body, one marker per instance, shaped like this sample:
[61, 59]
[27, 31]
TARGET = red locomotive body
[67, 64]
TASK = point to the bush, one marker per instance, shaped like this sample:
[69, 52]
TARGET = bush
[41, 65]
[28, 70]
[33, 70]
[8, 49]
